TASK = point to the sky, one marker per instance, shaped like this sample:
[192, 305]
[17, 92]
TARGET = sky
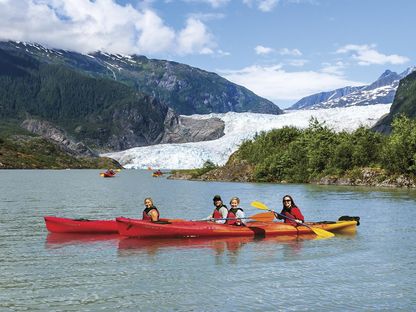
[240, 127]
[282, 50]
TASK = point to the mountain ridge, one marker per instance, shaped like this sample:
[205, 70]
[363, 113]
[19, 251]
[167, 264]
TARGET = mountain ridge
[188, 90]
[381, 91]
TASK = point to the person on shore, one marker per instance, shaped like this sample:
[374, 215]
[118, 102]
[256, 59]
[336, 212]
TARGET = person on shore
[220, 211]
[235, 214]
[150, 212]
[290, 210]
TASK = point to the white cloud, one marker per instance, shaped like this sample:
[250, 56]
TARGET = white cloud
[195, 38]
[262, 50]
[155, 36]
[87, 26]
[276, 84]
[335, 69]
[217, 3]
[207, 16]
[297, 63]
[267, 5]
[213, 3]
[293, 52]
[262, 5]
[367, 55]
[223, 53]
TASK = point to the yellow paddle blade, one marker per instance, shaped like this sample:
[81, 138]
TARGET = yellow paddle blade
[263, 217]
[321, 232]
[117, 170]
[102, 174]
[259, 205]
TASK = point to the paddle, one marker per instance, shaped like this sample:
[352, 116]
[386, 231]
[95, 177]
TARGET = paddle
[261, 217]
[319, 232]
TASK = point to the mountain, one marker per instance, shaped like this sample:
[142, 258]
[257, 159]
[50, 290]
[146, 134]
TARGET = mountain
[71, 107]
[314, 99]
[381, 91]
[404, 103]
[185, 89]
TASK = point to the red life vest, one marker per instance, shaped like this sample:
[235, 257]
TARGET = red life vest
[217, 214]
[232, 215]
[294, 214]
[146, 215]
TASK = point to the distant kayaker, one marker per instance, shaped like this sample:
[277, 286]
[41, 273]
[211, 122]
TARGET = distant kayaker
[220, 211]
[235, 214]
[290, 210]
[150, 212]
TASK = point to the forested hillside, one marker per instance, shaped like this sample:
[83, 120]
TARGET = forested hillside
[404, 103]
[185, 89]
[97, 111]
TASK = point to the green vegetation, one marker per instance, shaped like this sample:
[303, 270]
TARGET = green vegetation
[404, 103]
[293, 155]
[92, 110]
[28, 152]
[194, 173]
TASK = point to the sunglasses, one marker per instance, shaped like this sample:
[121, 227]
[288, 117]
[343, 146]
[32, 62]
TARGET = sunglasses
[287, 200]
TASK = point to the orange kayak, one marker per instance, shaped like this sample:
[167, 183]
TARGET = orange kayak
[180, 229]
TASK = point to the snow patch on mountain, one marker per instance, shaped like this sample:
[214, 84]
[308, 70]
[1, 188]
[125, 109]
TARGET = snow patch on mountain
[381, 91]
[240, 127]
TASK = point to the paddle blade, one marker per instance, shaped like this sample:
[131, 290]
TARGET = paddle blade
[259, 205]
[263, 217]
[322, 233]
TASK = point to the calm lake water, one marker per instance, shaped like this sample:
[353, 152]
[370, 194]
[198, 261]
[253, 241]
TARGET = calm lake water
[372, 271]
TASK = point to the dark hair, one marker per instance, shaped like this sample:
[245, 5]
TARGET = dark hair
[291, 199]
[217, 197]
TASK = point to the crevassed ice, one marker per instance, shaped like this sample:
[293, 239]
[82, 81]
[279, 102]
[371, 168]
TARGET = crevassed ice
[241, 126]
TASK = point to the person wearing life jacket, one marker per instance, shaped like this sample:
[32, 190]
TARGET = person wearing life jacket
[150, 213]
[235, 214]
[220, 211]
[292, 211]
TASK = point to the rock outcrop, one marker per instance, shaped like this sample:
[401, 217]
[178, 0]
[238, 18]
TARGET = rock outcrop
[49, 131]
[181, 129]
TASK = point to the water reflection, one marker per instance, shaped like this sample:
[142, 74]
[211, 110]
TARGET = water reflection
[57, 240]
[131, 246]
[223, 248]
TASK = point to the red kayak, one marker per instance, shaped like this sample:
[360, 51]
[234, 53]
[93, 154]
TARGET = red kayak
[66, 225]
[178, 229]
[107, 174]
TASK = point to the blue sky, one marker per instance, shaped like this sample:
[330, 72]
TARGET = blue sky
[282, 50]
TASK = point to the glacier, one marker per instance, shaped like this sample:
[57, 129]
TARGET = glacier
[240, 127]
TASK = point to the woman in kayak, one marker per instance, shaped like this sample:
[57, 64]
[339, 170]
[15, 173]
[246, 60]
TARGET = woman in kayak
[150, 213]
[220, 211]
[235, 214]
[290, 210]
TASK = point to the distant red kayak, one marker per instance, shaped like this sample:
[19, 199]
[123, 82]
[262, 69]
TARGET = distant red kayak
[107, 174]
[66, 225]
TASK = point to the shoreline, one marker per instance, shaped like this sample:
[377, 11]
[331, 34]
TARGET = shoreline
[366, 177]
